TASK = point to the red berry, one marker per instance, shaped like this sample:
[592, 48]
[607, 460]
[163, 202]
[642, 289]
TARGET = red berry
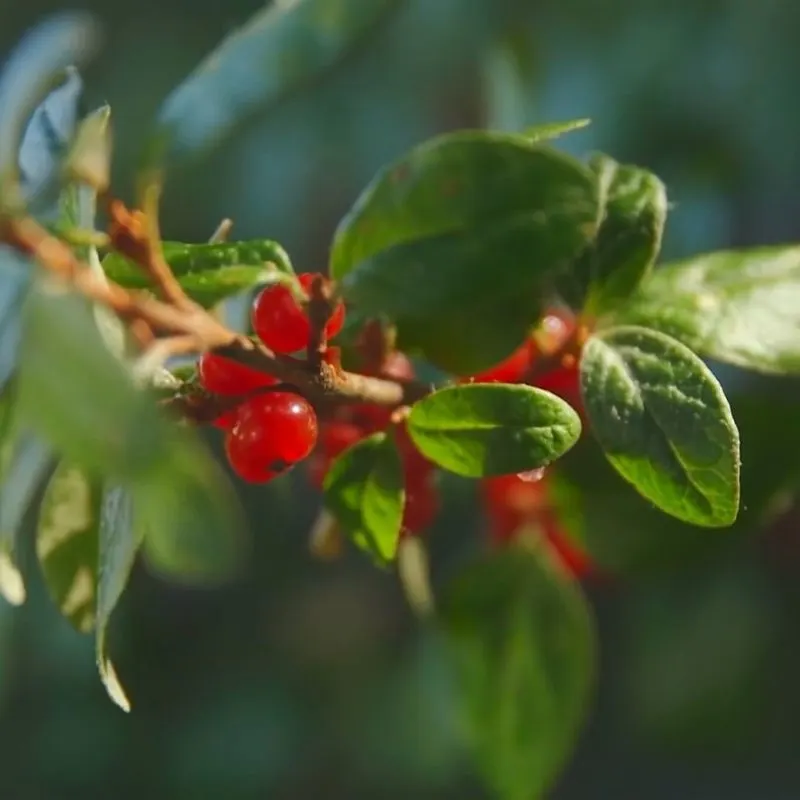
[575, 560]
[223, 376]
[565, 382]
[511, 369]
[415, 465]
[282, 324]
[227, 420]
[421, 506]
[272, 433]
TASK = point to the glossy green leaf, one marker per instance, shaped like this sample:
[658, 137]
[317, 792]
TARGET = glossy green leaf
[664, 423]
[485, 429]
[194, 530]
[119, 540]
[523, 648]
[67, 543]
[634, 204]
[209, 273]
[281, 48]
[89, 409]
[739, 306]
[364, 491]
[455, 242]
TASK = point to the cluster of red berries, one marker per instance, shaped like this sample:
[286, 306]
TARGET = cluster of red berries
[272, 431]
[516, 502]
[354, 422]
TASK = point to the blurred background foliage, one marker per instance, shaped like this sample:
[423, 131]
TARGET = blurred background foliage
[308, 680]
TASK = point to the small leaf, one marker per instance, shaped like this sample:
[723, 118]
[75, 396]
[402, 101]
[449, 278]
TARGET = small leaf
[364, 491]
[15, 280]
[194, 530]
[29, 72]
[634, 212]
[738, 306]
[664, 422]
[553, 130]
[280, 49]
[455, 242]
[12, 584]
[87, 407]
[209, 273]
[67, 543]
[119, 540]
[28, 463]
[523, 647]
[483, 429]
[89, 159]
[47, 137]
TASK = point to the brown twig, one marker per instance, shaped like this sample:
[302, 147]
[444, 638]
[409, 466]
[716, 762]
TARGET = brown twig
[131, 235]
[178, 316]
[319, 312]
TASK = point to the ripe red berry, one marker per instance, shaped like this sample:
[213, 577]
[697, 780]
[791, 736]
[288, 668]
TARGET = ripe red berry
[223, 376]
[511, 369]
[565, 382]
[282, 324]
[574, 559]
[421, 506]
[272, 433]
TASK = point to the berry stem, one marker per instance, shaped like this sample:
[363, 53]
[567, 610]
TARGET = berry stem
[320, 309]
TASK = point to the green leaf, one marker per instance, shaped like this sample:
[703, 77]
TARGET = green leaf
[67, 543]
[119, 540]
[664, 422]
[523, 648]
[209, 273]
[28, 462]
[194, 530]
[280, 49]
[634, 212]
[738, 306]
[455, 242]
[364, 491]
[37, 61]
[483, 429]
[553, 130]
[78, 396]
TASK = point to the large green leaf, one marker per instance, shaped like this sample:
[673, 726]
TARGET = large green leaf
[194, 530]
[281, 48]
[88, 407]
[119, 540]
[364, 492]
[664, 423]
[634, 212]
[455, 241]
[523, 646]
[67, 543]
[737, 306]
[483, 429]
[209, 273]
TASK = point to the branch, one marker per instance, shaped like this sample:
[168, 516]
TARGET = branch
[319, 312]
[179, 317]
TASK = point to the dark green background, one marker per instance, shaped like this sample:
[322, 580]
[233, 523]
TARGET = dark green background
[308, 680]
